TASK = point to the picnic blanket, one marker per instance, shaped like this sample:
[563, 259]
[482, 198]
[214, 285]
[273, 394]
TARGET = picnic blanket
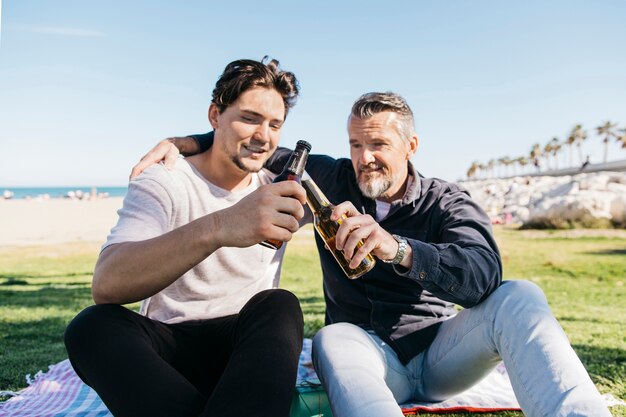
[60, 393]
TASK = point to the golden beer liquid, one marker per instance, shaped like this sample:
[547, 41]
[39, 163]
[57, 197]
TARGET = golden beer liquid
[327, 229]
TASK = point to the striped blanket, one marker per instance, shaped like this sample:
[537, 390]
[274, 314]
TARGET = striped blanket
[57, 393]
[60, 393]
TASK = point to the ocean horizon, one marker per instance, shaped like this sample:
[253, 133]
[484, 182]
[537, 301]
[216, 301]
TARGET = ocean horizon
[60, 192]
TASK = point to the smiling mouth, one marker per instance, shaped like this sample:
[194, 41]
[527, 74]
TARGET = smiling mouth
[371, 169]
[254, 149]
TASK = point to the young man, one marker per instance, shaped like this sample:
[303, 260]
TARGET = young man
[214, 337]
[393, 335]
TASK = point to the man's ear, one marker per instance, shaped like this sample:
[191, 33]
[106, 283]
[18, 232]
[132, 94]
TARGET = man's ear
[413, 144]
[213, 115]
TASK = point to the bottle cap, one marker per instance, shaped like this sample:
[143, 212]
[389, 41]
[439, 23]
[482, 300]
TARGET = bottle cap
[304, 144]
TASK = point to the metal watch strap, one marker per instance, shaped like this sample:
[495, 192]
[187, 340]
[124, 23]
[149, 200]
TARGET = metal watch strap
[401, 251]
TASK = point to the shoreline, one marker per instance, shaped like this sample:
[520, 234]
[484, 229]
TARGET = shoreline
[72, 193]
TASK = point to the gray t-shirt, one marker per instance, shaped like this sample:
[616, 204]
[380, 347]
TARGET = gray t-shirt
[160, 200]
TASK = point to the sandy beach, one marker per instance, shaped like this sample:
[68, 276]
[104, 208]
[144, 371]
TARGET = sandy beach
[42, 222]
[36, 222]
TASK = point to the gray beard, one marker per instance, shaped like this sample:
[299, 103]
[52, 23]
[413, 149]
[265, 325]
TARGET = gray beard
[375, 188]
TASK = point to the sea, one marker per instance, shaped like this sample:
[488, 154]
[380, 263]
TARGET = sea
[60, 192]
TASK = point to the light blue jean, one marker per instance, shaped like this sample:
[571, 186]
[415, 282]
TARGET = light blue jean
[364, 377]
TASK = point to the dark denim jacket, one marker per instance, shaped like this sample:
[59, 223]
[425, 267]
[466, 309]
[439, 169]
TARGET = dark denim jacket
[455, 257]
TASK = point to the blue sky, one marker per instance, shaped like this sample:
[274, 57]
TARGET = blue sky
[87, 87]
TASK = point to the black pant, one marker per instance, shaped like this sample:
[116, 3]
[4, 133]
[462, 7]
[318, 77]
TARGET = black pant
[240, 365]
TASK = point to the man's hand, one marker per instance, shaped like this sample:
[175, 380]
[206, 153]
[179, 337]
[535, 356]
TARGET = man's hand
[270, 212]
[167, 151]
[356, 226]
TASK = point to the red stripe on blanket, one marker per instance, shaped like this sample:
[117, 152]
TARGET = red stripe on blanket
[448, 410]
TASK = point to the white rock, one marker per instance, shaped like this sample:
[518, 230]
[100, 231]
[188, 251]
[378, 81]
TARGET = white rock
[618, 209]
[582, 199]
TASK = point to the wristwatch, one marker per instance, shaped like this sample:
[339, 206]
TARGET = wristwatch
[402, 243]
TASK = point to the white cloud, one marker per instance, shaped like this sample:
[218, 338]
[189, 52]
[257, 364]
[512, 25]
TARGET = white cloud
[63, 31]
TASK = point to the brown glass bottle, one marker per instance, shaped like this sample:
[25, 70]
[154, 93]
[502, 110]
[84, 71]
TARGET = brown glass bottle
[293, 171]
[327, 229]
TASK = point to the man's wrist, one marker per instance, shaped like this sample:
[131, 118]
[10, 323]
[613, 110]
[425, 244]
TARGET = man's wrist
[186, 145]
[401, 253]
[176, 143]
[407, 262]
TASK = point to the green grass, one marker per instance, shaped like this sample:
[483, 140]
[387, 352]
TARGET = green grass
[42, 288]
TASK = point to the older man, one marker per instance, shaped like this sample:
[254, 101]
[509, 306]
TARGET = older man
[394, 335]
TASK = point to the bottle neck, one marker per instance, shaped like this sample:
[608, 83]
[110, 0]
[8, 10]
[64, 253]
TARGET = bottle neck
[297, 162]
[314, 196]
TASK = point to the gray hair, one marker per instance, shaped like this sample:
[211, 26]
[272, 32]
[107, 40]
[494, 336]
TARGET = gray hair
[371, 103]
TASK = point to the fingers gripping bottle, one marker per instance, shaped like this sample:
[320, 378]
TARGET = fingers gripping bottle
[293, 171]
[327, 229]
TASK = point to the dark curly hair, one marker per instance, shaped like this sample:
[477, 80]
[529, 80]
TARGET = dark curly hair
[245, 74]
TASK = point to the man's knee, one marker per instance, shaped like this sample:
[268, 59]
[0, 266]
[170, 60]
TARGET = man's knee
[343, 346]
[332, 339]
[88, 324]
[275, 308]
[335, 333]
[520, 293]
[515, 300]
[275, 301]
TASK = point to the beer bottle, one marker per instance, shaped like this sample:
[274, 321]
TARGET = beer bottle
[327, 229]
[293, 171]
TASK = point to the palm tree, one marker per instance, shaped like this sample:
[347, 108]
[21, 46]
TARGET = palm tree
[506, 161]
[607, 130]
[515, 163]
[579, 135]
[535, 154]
[621, 138]
[547, 152]
[556, 148]
[483, 170]
[471, 172]
[570, 142]
[490, 166]
[522, 161]
[510, 162]
[502, 167]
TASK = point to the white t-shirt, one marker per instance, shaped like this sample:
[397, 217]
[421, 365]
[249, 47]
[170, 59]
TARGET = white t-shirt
[160, 200]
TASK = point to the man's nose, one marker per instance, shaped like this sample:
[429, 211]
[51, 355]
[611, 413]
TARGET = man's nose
[262, 132]
[367, 156]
